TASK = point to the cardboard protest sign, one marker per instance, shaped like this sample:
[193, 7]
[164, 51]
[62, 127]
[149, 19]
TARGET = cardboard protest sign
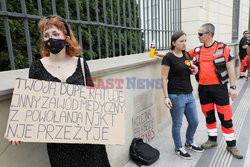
[55, 112]
[144, 124]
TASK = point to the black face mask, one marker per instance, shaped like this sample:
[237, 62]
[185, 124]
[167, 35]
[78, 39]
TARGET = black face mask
[55, 45]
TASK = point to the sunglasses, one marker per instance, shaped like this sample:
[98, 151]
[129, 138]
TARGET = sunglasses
[200, 34]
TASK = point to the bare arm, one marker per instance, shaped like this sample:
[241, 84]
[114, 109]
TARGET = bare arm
[232, 79]
[248, 50]
[244, 46]
[164, 75]
[159, 54]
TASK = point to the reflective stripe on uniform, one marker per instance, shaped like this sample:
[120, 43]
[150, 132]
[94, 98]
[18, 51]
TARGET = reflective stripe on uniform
[218, 53]
[197, 57]
[219, 60]
[212, 132]
[224, 81]
[229, 137]
[223, 74]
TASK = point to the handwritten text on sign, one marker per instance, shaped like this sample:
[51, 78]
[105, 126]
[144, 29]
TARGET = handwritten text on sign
[43, 111]
[144, 124]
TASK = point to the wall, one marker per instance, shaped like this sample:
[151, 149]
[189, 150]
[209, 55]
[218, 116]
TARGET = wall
[244, 16]
[217, 12]
[139, 66]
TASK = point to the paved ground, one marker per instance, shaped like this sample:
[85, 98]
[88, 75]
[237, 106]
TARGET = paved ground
[215, 157]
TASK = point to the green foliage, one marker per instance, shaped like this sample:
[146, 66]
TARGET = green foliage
[87, 31]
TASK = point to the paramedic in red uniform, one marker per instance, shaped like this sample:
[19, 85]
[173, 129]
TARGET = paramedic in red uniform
[243, 53]
[216, 67]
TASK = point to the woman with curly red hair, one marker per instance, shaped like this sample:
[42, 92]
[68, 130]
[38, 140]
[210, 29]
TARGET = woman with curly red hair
[59, 63]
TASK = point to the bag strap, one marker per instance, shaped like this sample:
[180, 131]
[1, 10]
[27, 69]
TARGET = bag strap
[185, 53]
[83, 70]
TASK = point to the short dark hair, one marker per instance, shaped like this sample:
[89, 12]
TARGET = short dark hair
[209, 27]
[246, 32]
[176, 35]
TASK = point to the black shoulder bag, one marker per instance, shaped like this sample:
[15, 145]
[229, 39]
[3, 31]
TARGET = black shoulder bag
[142, 153]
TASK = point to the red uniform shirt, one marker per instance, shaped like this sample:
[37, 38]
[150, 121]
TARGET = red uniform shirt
[207, 74]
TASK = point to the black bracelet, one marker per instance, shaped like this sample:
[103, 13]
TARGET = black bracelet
[166, 97]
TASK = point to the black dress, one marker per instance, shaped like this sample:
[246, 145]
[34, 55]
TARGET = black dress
[71, 155]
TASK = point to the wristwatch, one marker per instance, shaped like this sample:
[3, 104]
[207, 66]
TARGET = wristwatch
[233, 87]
